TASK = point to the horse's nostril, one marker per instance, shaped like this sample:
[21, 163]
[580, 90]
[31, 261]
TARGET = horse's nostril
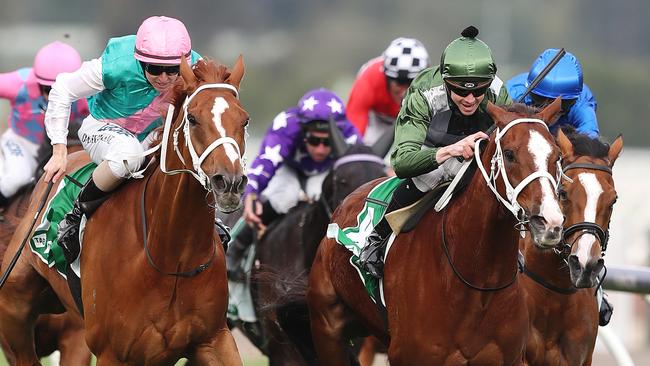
[538, 222]
[243, 181]
[557, 229]
[219, 182]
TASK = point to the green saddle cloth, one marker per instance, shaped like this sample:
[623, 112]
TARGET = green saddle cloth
[44, 241]
[354, 238]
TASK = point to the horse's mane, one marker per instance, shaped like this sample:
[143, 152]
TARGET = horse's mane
[521, 108]
[584, 145]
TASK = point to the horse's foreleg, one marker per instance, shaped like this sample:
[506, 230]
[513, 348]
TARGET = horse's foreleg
[72, 342]
[328, 319]
[18, 301]
[221, 351]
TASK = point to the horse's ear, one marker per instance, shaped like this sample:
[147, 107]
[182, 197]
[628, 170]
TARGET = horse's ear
[615, 150]
[565, 145]
[188, 76]
[237, 72]
[498, 114]
[551, 113]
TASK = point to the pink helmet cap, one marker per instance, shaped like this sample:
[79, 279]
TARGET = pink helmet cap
[162, 40]
[53, 59]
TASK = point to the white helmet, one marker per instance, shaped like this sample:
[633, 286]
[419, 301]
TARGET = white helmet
[404, 59]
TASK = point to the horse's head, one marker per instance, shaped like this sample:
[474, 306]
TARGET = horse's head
[526, 156]
[355, 165]
[587, 198]
[214, 125]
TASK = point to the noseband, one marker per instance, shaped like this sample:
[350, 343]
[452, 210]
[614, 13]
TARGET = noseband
[564, 247]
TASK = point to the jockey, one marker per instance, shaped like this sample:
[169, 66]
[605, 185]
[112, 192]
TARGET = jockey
[27, 90]
[443, 113]
[128, 87]
[565, 81]
[295, 156]
[381, 84]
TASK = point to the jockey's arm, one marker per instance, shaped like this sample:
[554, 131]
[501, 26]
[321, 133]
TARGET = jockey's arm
[10, 85]
[359, 105]
[408, 158]
[68, 88]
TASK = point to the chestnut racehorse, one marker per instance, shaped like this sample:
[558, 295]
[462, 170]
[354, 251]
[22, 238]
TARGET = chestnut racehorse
[62, 332]
[152, 267]
[563, 318]
[451, 288]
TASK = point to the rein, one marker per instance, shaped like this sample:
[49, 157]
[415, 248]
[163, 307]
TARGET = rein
[459, 275]
[186, 274]
[510, 202]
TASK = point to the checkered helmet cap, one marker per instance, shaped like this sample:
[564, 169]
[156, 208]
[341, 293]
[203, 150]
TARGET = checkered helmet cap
[405, 58]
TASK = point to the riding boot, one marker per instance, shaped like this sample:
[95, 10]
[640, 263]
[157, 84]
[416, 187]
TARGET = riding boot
[242, 238]
[224, 233]
[4, 201]
[89, 199]
[371, 257]
[605, 312]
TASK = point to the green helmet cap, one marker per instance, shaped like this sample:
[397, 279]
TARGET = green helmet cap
[467, 56]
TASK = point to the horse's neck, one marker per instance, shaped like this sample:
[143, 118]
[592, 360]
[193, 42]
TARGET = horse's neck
[480, 234]
[179, 220]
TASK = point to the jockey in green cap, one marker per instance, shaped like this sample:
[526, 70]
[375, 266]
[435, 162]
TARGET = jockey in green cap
[442, 114]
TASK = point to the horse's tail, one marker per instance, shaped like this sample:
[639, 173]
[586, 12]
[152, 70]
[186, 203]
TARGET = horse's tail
[288, 306]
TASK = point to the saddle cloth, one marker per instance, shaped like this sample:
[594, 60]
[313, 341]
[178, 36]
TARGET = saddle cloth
[44, 241]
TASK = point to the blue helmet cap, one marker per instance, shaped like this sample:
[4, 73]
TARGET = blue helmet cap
[565, 79]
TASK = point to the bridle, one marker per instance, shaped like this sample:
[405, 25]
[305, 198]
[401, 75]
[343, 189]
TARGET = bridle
[197, 173]
[352, 158]
[197, 160]
[498, 168]
[563, 249]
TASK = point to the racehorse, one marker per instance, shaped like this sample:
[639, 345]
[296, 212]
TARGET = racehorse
[450, 286]
[288, 247]
[563, 318]
[63, 332]
[152, 268]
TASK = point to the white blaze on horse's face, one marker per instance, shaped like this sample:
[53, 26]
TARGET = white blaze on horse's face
[541, 150]
[593, 190]
[218, 108]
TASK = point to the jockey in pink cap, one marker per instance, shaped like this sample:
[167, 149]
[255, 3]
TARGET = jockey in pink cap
[127, 88]
[27, 91]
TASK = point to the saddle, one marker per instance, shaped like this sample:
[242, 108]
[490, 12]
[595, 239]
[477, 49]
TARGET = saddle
[407, 218]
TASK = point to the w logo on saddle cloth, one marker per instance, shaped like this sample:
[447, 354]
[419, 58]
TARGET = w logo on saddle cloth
[354, 238]
[44, 241]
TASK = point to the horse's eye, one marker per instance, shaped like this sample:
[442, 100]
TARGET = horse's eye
[562, 195]
[509, 155]
[191, 119]
[246, 122]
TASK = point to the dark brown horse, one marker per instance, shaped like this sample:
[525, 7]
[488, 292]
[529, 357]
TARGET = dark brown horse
[63, 332]
[563, 318]
[152, 267]
[288, 247]
[450, 286]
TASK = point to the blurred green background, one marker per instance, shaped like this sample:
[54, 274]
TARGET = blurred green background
[291, 46]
